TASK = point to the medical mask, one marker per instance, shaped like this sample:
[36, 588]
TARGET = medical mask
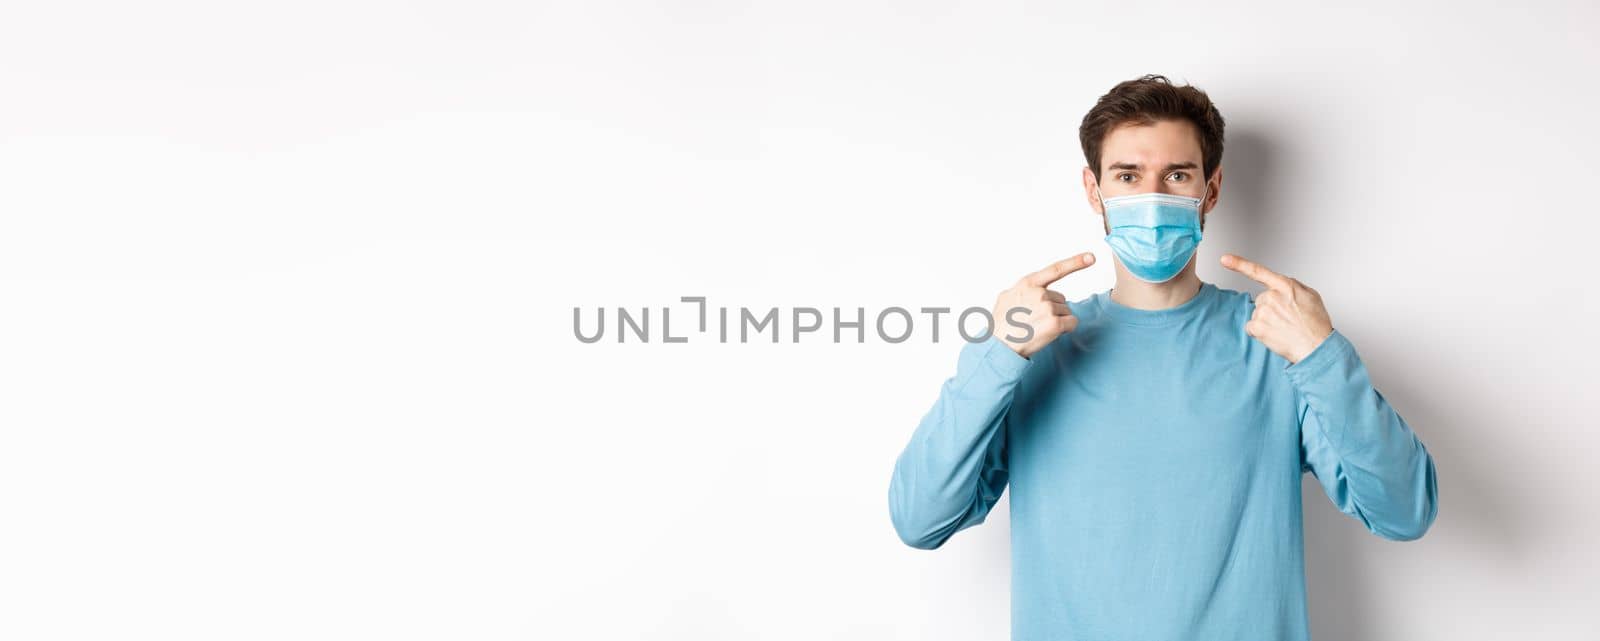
[1154, 234]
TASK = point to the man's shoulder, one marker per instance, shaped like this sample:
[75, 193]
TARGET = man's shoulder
[1088, 306]
[1234, 296]
[1233, 305]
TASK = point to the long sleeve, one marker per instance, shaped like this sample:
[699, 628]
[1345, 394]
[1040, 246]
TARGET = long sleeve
[954, 468]
[1369, 462]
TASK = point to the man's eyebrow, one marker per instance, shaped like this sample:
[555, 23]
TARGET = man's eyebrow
[1136, 166]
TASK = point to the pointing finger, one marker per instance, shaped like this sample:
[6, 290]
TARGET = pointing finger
[1257, 272]
[1055, 271]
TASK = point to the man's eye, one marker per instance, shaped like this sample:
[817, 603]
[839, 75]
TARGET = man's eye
[1179, 173]
[1121, 175]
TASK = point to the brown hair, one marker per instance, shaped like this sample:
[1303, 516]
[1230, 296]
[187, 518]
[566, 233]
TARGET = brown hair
[1145, 101]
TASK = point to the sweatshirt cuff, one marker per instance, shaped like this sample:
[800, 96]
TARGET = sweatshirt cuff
[1331, 351]
[1002, 360]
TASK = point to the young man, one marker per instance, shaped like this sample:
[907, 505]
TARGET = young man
[1154, 435]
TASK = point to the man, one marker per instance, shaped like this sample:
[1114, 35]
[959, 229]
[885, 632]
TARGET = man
[1154, 435]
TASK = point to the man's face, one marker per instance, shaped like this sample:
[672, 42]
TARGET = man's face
[1163, 158]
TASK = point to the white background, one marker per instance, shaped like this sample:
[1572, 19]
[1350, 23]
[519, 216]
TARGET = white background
[286, 298]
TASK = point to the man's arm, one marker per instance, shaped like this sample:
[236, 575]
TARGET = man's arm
[1368, 460]
[1370, 463]
[955, 466]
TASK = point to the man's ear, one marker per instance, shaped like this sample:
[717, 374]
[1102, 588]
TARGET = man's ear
[1213, 192]
[1091, 190]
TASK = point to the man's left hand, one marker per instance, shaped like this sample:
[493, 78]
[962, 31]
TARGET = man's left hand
[1289, 318]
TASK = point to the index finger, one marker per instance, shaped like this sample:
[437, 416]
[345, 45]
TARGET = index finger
[1257, 272]
[1055, 271]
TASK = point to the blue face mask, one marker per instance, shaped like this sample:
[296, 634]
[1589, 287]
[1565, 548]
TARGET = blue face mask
[1154, 234]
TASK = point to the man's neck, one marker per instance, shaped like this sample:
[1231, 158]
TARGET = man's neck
[1132, 292]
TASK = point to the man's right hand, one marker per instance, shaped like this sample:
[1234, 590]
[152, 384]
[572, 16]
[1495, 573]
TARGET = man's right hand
[1047, 311]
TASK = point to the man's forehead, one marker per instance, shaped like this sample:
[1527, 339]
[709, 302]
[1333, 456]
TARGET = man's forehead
[1149, 159]
[1162, 143]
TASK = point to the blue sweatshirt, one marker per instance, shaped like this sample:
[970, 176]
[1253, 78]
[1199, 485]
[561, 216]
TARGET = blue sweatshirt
[1154, 459]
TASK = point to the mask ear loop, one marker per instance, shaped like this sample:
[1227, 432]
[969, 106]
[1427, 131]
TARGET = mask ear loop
[1104, 215]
